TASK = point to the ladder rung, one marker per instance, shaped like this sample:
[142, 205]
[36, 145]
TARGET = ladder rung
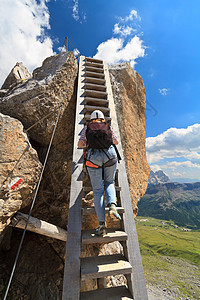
[88, 111]
[93, 69]
[93, 64]
[104, 265]
[113, 293]
[91, 210]
[98, 101]
[85, 171]
[93, 60]
[112, 235]
[87, 117]
[94, 74]
[97, 94]
[91, 108]
[95, 80]
[89, 188]
[96, 87]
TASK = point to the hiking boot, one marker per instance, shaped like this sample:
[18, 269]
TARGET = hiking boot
[113, 212]
[101, 230]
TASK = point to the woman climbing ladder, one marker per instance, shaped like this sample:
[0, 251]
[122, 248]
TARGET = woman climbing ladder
[101, 158]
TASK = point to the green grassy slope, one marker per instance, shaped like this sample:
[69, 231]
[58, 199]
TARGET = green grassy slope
[171, 257]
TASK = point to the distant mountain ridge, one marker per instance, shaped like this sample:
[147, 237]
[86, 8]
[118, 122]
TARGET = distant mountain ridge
[179, 202]
[158, 177]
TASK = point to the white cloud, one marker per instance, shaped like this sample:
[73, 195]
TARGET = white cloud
[132, 14]
[122, 30]
[114, 51]
[176, 150]
[117, 29]
[62, 49]
[179, 175]
[178, 141]
[75, 11]
[183, 164]
[127, 46]
[155, 167]
[193, 156]
[79, 17]
[22, 34]
[163, 91]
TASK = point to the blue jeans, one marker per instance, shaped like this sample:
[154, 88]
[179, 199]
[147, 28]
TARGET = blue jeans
[99, 157]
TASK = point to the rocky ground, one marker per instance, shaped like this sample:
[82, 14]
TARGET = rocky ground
[179, 280]
[155, 293]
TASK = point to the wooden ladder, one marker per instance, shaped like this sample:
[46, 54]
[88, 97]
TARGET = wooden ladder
[94, 92]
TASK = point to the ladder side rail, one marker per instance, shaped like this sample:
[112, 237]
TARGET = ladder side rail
[134, 256]
[71, 284]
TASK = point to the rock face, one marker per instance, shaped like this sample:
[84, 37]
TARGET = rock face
[129, 96]
[18, 74]
[30, 101]
[41, 96]
[39, 270]
[19, 163]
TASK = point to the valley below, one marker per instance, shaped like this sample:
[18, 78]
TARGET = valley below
[171, 259]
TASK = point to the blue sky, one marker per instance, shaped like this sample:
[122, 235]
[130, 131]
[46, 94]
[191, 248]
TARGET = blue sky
[160, 38]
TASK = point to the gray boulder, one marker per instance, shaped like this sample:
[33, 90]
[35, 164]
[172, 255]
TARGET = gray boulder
[41, 96]
[19, 169]
[17, 75]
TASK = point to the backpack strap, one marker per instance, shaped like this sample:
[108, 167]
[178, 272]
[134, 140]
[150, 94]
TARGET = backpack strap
[118, 155]
[106, 154]
[117, 152]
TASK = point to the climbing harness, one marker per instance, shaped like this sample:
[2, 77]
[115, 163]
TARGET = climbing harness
[91, 164]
